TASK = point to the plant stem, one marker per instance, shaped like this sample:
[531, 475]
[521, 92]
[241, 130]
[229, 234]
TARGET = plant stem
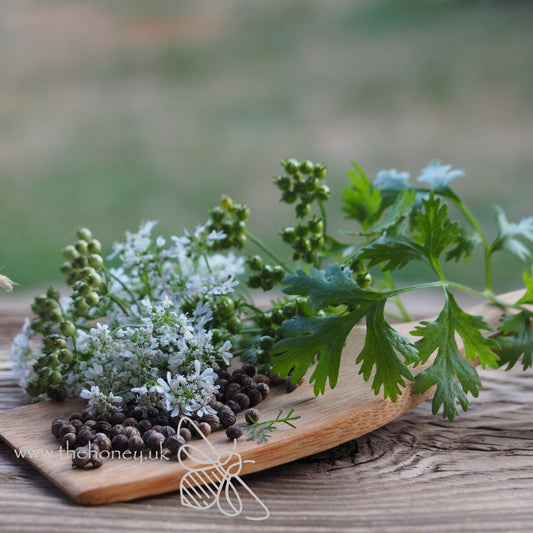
[477, 228]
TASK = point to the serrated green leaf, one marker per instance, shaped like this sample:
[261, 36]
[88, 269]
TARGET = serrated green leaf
[361, 200]
[436, 231]
[466, 242]
[379, 353]
[330, 288]
[391, 251]
[516, 340]
[450, 368]
[508, 233]
[304, 339]
[528, 282]
[401, 208]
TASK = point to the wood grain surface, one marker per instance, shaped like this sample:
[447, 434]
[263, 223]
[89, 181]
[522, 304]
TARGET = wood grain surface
[417, 473]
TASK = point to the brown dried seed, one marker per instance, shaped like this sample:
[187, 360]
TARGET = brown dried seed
[234, 406]
[120, 443]
[173, 443]
[87, 457]
[77, 423]
[227, 418]
[144, 425]
[186, 434]
[213, 421]
[130, 421]
[66, 428]
[233, 432]
[275, 380]
[135, 443]
[231, 390]
[243, 400]
[255, 397]
[85, 434]
[264, 389]
[68, 441]
[77, 415]
[131, 431]
[116, 430]
[102, 441]
[251, 416]
[204, 428]
[117, 418]
[57, 424]
[261, 378]
[249, 369]
[155, 441]
[166, 431]
[102, 426]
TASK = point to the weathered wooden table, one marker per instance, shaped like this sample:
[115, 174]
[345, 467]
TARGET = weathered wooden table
[419, 473]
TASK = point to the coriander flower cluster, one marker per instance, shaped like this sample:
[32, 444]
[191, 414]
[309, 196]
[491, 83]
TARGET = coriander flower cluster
[154, 338]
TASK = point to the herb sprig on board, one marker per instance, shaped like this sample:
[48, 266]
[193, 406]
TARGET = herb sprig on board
[400, 223]
[183, 308]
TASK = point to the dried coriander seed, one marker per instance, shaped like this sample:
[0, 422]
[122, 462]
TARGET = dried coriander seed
[57, 424]
[233, 432]
[186, 434]
[69, 441]
[135, 443]
[251, 416]
[227, 417]
[102, 441]
[120, 443]
[173, 443]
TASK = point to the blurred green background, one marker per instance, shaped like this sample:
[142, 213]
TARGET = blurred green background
[116, 112]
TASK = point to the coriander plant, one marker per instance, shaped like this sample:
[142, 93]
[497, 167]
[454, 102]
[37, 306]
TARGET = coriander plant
[154, 322]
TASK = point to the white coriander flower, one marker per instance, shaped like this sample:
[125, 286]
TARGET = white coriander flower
[439, 176]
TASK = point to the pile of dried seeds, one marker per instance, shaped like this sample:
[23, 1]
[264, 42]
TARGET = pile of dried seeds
[149, 431]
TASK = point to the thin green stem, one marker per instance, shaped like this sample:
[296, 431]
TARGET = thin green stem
[477, 228]
[269, 252]
[404, 314]
[122, 284]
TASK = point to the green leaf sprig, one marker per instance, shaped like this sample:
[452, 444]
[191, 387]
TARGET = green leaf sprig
[262, 431]
[399, 224]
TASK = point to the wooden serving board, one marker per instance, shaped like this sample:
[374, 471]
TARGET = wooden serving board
[342, 414]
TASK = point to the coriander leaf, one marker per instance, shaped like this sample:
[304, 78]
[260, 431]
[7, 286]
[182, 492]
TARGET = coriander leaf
[507, 233]
[399, 209]
[379, 353]
[391, 251]
[330, 288]
[452, 374]
[528, 282]
[517, 339]
[303, 338]
[439, 176]
[362, 201]
[436, 231]
[466, 242]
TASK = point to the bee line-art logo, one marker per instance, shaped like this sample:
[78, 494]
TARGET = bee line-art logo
[213, 479]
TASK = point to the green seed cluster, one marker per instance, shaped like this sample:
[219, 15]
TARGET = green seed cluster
[55, 355]
[82, 268]
[266, 276]
[230, 218]
[302, 184]
[306, 239]
[268, 324]
[363, 277]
